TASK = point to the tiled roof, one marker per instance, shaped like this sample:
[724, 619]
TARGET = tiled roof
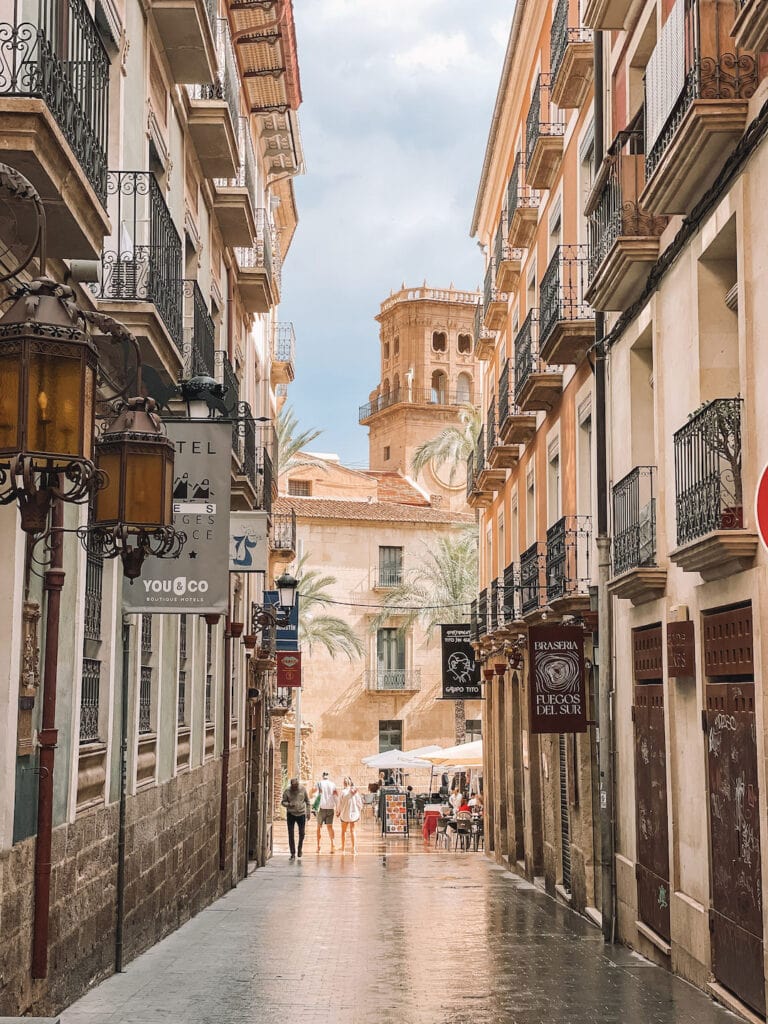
[397, 488]
[371, 511]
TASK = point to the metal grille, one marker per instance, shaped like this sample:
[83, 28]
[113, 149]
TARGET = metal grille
[530, 578]
[208, 671]
[264, 478]
[145, 700]
[490, 292]
[284, 343]
[94, 578]
[473, 628]
[89, 700]
[58, 56]
[647, 654]
[199, 333]
[264, 254]
[511, 594]
[494, 605]
[227, 84]
[246, 172]
[490, 427]
[411, 396]
[728, 643]
[518, 194]
[562, 289]
[471, 475]
[393, 679]
[567, 566]
[183, 637]
[232, 402]
[708, 471]
[565, 818]
[482, 613]
[283, 534]
[538, 123]
[181, 705]
[504, 395]
[634, 520]
[526, 353]
[146, 634]
[561, 35]
[142, 260]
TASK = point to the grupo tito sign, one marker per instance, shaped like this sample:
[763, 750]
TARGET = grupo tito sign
[558, 688]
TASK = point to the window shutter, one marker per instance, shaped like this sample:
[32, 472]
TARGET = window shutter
[665, 74]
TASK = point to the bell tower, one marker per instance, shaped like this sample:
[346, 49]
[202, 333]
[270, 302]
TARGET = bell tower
[428, 371]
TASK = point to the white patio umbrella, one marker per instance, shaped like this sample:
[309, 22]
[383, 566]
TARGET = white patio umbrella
[465, 755]
[393, 759]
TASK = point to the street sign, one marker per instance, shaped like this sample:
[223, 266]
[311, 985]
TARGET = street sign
[289, 668]
[248, 542]
[558, 685]
[198, 580]
[461, 672]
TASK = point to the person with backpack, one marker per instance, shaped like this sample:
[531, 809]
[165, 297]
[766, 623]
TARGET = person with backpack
[328, 795]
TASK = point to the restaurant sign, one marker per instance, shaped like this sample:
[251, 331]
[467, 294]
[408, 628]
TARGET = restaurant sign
[198, 580]
[681, 649]
[289, 668]
[461, 672]
[558, 700]
[248, 542]
[396, 815]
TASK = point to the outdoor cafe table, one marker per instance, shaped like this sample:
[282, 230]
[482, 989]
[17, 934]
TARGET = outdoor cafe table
[431, 814]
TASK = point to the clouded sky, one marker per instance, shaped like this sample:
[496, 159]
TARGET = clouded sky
[398, 97]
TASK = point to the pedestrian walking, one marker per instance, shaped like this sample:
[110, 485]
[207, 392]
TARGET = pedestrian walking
[329, 798]
[296, 802]
[350, 808]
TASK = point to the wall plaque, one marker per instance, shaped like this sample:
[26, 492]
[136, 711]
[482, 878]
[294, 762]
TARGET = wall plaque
[681, 649]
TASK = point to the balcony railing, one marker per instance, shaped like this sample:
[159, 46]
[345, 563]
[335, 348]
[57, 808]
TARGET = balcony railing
[481, 333]
[482, 613]
[634, 520]
[540, 121]
[282, 698]
[146, 634]
[181, 701]
[283, 535]
[387, 576]
[473, 631]
[263, 255]
[413, 396]
[52, 51]
[491, 434]
[526, 352]
[199, 333]
[510, 595]
[567, 566]
[708, 74]
[227, 85]
[504, 253]
[145, 700]
[89, 700]
[562, 289]
[284, 343]
[246, 172]
[262, 476]
[392, 679]
[561, 35]
[491, 293]
[471, 474]
[519, 196]
[142, 260]
[708, 485]
[494, 605]
[531, 596]
[94, 580]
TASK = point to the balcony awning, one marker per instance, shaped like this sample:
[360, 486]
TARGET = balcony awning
[265, 41]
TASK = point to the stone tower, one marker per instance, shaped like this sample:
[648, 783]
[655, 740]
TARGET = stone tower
[428, 370]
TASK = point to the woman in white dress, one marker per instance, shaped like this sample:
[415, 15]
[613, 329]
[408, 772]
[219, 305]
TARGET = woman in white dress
[350, 806]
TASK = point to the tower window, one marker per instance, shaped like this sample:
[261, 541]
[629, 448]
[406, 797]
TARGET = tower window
[397, 346]
[385, 350]
[439, 341]
[386, 453]
[465, 344]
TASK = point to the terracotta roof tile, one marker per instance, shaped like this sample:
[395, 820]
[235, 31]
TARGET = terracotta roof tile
[397, 488]
[372, 511]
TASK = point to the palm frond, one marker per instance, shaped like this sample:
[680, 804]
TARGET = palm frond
[452, 446]
[332, 633]
[291, 441]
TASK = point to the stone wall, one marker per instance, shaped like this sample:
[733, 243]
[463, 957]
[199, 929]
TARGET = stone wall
[172, 872]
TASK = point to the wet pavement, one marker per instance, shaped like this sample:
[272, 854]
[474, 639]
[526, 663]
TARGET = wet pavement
[400, 933]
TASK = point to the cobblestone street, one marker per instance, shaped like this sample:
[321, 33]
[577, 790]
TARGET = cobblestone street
[417, 937]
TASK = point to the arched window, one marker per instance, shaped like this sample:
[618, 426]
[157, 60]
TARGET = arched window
[439, 387]
[465, 344]
[439, 341]
[385, 350]
[463, 388]
[397, 345]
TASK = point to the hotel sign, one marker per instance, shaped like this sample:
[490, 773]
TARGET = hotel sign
[558, 698]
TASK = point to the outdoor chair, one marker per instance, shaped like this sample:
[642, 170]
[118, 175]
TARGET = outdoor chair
[463, 831]
[441, 833]
[478, 834]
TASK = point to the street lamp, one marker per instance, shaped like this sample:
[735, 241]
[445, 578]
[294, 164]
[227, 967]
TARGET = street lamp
[264, 615]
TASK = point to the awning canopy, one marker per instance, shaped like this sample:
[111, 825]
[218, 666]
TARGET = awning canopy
[392, 759]
[465, 755]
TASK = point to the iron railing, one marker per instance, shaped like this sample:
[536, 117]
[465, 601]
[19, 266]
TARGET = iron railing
[284, 343]
[199, 333]
[283, 697]
[246, 171]
[709, 75]
[482, 613]
[392, 679]
[208, 699]
[503, 252]
[511, 594]
[146, 634]
[481, 332]
[263, 476]
[531, 596]
[490, 292]
[145, 700]
[89, 700]
[526, 353]
[471, 474]
[227, 84]
[634, 520]
[94, 580]
[142, 260]
[232, 403]
[473, 627]
[181, 700]
[264, 255]
[182, 637]
[52, 50]
[538, 123]
[567, 560]
[519, 195]
[708, 488]
[491, 436]
[411, 396]
[504, 395]
[560, 35]
[283, 534]
[494, 605]
[561, 295]
[388, 576]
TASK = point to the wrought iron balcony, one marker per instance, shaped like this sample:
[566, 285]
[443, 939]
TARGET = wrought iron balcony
[187, 30]
[235, 198]
[544, 131]
[473, 629]
[283, 533]
[52, 51]
[214, 112]
[515, 426]
[570, 56]
[283, 353]
[532, 588]
[411, 396]
[392, 679]
[385, 578]
[259, 268]
[262, 474]
[94, 579]
[522, 206]
[634, 520]
[623, 236]
[282, 698]
[142, 261]
[482, 479]
[89, 700]
[537, 385]
[566, 322]
[692, 126]
[146, 634]
[482, 613]
[507, 259]
[494, 606]
[510, 596]
[494, 300]
[145, 700]
[499, 455]
[568, 563]
[485, 340]
[199, 333]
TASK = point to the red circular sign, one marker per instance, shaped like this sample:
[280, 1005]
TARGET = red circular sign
[761, 506]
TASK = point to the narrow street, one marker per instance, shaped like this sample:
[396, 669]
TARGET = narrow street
[414, 937]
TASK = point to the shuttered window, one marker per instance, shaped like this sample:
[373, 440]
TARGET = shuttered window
[665, 74]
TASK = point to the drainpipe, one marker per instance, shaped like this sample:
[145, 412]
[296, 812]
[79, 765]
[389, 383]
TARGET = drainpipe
[225, 746]
[604, 674]
[47, 738]
[120, 894]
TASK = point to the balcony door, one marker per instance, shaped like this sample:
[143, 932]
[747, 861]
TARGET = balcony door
[390, 566]
[390, 659]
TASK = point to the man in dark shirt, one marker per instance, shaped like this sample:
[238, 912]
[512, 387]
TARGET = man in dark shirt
[296, 802]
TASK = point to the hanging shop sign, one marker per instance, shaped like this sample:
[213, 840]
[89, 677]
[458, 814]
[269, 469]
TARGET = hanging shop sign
[286, 637]
[248, 541]
[558, 699]
[461, 672]
[289, 668]
[681, 649]
[198, 580]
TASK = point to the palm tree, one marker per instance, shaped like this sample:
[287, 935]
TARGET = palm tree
[452, 445]
[324, 630]
[291, 443]
[440, 590]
